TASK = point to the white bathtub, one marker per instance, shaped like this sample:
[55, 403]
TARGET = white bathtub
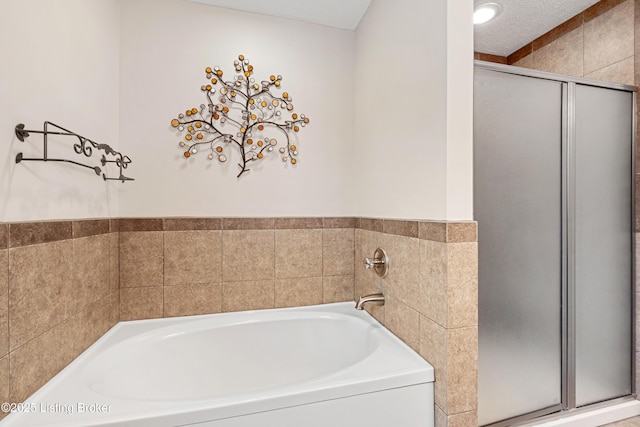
[326, 365]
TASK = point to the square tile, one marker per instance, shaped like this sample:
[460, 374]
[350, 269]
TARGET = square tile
[337, 289]
[141, 303]
[403, 321]
[250, 295]
[41, 289]
[192, 257]
[248, 255]
[433, 348]
[524, 62]
[609, 38]
[298, 253]
[141, 259]
[433, 281]
[619, 72]
[338, 251]
[298, 292]
[402, 280]
[464, 419]
[36, 362]
[90, 270]
[462, 370]
[188, 300]
[563, 55]
[94, 321]
[462, 285]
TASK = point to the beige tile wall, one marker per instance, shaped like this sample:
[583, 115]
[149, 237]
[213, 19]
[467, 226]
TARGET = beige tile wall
[58, 294]
[431, 302]
[71, 281]
[597, 44]
[176, 267]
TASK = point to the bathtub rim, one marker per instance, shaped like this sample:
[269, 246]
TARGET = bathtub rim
[419, 372]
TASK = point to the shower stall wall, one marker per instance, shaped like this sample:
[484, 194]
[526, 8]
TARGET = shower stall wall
[553, 200]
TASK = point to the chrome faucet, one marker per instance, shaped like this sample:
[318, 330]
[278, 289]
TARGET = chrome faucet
[373, 299]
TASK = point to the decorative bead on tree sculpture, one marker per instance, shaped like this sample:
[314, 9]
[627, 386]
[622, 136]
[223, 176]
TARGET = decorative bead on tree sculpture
[240, 115]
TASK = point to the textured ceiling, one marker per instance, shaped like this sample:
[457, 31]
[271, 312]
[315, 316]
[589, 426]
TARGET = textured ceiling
[344, 14]
[522, 21]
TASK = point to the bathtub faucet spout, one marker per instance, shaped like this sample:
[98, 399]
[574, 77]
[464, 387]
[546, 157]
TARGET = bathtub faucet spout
[373, 299]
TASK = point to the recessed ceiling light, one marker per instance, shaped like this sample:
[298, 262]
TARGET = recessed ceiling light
[486, 12]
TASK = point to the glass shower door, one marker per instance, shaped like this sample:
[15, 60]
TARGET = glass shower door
[603, 239]
[553, 165]
[518, 154]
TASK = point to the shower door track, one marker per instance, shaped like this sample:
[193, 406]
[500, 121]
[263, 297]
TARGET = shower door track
[568, 298]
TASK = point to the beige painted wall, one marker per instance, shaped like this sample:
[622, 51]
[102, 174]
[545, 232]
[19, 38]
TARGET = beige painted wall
[166, 46]
[60, 63]
[413, 110]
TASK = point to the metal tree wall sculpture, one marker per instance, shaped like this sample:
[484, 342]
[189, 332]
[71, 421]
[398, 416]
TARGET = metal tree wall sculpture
[250, 108]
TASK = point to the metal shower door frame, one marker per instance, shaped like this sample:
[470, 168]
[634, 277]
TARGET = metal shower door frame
[568, 297]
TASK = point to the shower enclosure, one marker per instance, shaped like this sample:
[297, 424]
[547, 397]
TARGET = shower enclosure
[553, 160]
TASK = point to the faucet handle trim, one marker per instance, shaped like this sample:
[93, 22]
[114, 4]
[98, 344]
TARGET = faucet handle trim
[379, 263]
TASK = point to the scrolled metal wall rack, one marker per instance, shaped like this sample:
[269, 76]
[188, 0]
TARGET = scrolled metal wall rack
[84, 146]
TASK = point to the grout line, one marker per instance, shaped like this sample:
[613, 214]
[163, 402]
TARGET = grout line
[118, 275]
[607, 66]
[583, 43]
[274, 267]
[322, 260]
[221, 295]
[8, 322]
[164, 311]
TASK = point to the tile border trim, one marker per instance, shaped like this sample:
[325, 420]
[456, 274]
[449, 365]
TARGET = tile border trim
[480, 56]
[552, 35]
[438, 231]
[33, 233]
[567, 26]
[18, 234]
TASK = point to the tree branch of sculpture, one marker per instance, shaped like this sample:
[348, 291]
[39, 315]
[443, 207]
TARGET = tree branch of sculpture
[251, 119]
